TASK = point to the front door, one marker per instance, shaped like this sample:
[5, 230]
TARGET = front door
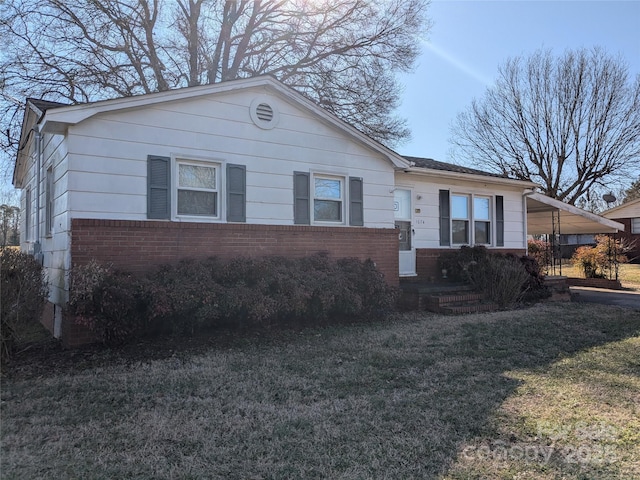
[402, 211]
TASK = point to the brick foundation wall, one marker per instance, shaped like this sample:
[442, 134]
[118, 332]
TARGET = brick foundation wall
[138, 246]
[74, 333]
[427, 262]
[594, 282]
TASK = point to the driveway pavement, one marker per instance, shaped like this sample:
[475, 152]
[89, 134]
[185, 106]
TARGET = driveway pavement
[608, 297]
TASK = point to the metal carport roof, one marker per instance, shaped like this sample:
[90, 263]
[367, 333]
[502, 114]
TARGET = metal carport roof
[568, 219]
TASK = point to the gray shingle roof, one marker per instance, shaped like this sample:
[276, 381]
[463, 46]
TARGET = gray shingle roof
[44, 105]
[449, 167]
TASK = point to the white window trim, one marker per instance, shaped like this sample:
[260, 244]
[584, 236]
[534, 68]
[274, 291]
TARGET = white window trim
[343, 197]
[635, 226]
[176, 160]
[471, 219]
[491, 219]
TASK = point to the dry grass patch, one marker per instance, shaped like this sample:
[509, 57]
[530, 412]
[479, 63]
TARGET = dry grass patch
[628, 273]
[399, 399]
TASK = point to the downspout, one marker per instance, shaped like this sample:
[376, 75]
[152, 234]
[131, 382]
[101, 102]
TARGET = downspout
[525, 220]
[37, 247]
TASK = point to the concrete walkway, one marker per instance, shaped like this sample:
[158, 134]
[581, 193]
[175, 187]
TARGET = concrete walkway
[620, 298]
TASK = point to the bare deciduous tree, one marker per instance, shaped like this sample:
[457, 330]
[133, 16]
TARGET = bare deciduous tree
[341, 53]
[570, 123]
[9, 225]
[633, 192]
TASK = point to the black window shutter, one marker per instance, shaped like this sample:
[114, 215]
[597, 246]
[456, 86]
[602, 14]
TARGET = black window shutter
[236, 193]
[499, 221]
[356, 212]
[158, 187]
[301, 200]
[445, 217]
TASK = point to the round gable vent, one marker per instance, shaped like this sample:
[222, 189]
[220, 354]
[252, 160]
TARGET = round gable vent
[263, 113]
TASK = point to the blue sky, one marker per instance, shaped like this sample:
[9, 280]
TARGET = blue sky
[470, 39]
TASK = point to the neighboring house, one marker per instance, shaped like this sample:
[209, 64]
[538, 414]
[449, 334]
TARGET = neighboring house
[629, 215]
[241, 168]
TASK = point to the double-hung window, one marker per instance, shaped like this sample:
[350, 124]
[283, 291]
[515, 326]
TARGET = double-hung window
[482, 220]
[635, 225]
[460, 219]
[328, 198]
[197, 189]
[469, 219]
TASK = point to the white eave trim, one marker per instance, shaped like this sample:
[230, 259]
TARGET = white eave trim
[472, 177]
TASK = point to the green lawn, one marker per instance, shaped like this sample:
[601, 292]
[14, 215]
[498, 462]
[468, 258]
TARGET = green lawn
[549, 392]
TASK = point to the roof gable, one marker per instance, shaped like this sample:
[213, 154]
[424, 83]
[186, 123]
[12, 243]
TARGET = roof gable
[56, 120]
[626, 210]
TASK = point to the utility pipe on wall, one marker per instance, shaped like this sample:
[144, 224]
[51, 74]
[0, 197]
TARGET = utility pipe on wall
[37, 248]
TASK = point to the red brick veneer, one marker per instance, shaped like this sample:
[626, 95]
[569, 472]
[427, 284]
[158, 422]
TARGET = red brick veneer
[427, 261]
[137, 246]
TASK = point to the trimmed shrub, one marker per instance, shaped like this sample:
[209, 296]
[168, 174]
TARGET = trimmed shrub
[458, 262]
[505, 279]
[595, 261]
[239, 293]
[502, 278]
[111, 303]
[541, 251]
[245, 292]
[534, 288]
[23, 291]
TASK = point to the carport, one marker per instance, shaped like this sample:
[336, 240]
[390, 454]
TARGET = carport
[548, 216]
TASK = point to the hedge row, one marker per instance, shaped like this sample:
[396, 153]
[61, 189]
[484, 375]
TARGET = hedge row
[243, 292]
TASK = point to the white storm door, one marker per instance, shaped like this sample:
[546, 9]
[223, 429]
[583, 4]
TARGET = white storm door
[402, 211]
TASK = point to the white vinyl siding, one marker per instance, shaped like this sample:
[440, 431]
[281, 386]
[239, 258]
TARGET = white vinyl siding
[28, 228]
[48, 201]
[426, 195]
[108, 173]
